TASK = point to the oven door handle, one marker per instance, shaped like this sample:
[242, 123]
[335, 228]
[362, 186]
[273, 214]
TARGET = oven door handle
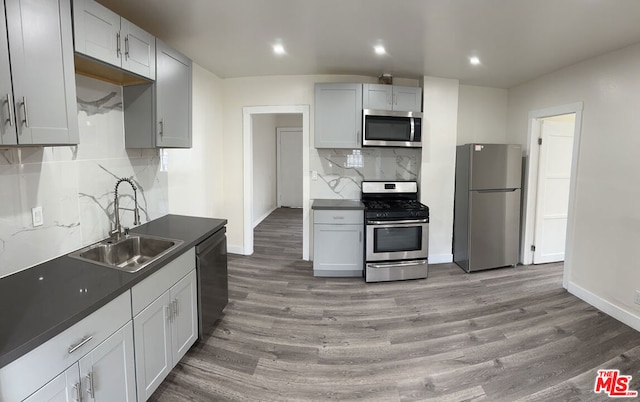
[391, 223]
[398, 264]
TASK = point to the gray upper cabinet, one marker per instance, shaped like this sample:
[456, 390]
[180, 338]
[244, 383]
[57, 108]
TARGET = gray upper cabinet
[158, 115]
[173, 98]
[338, 115]
[39, 44]
[105, 36]
[392, 97]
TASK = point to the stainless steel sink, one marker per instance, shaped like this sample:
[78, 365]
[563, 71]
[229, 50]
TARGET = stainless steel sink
[130, 254]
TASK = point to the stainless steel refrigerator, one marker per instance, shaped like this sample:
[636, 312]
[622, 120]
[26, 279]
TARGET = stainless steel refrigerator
[486, 223]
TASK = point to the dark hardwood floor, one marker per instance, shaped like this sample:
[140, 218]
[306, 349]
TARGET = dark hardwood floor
[501, 335]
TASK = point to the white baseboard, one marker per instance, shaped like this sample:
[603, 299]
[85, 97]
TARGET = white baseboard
[605, 306]
[440, 258]
[235, 249]
[263, 217]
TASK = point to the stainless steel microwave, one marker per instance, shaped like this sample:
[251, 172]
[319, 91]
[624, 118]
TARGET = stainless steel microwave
[385, 128]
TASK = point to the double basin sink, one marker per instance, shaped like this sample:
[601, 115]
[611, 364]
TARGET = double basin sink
[131, 253]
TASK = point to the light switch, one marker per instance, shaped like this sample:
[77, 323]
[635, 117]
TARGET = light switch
[36, 215]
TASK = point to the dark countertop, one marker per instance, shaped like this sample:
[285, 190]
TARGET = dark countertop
[337, 204]
[40, 302]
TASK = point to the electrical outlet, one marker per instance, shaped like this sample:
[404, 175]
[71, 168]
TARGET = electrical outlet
[314, 175]
[637, 299]
[36, 216]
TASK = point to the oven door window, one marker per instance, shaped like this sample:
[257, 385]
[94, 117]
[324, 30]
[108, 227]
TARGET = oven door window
[383, 128]
[398, 239]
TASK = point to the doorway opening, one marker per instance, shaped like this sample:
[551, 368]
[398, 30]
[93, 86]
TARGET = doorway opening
[276, 143]
[552, 162]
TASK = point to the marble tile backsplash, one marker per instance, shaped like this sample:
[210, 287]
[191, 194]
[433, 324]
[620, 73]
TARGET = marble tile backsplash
[75, 184]
[341, 171]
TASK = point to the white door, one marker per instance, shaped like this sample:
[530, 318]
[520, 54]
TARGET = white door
[107, 371]
[554, 173]
[289, 167]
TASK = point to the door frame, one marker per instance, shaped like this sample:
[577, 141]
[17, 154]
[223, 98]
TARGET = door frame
[531, 180]
[279, 131]
[247, 148]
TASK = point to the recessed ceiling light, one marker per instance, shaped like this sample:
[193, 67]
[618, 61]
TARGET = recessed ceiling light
[379, 49]
[474, 60]
[278, 49]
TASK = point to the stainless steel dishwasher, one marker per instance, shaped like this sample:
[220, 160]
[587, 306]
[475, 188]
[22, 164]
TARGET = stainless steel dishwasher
[213, 293]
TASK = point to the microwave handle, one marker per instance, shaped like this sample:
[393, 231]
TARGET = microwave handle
[413, 129]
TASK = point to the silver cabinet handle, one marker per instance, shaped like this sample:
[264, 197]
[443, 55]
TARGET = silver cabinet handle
[76, 390]
[161, 127]
[338, 217]
[360, 237]
[80, 344]
[126, 46]
[90, 389]
[118, 52]
[26, 113]
[167, 311]
[175, 307]
[10, 109]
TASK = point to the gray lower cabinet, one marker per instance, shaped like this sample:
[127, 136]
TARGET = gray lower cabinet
[37, 81]
[105, 36]
[63, 388]
[166, 327]
[94, 358]
[158, 115]
[338, 115]
[105, 374]
[338, 243]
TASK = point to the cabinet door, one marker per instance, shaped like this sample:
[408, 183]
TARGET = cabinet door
[63, 388]
[184, 331]
[7, 125]
[139, 55]
[407, 99]
[338, 116]
[377, 97]
[173, 98]
[152, 341]
[107, 372]
[41, 49]
[338, 250]
[97, 31]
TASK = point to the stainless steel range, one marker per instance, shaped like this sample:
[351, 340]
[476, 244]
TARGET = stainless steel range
[397, 231]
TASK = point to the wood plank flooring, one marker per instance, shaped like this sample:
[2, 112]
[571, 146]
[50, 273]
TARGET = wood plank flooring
[501, 335]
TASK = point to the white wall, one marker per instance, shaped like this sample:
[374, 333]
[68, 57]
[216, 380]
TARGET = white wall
[264, 166]
[602, 267]
[262, 91]
[437, 174]
[74, 185]
[482, 115]
[196, 174]
[289, 120]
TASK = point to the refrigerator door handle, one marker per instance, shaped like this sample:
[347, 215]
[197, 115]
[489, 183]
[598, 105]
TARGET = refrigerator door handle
[501, 190]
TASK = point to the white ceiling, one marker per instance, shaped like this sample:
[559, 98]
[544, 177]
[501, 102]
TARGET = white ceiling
[516, 40]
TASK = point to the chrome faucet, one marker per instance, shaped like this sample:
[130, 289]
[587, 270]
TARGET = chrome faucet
[116, 232]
